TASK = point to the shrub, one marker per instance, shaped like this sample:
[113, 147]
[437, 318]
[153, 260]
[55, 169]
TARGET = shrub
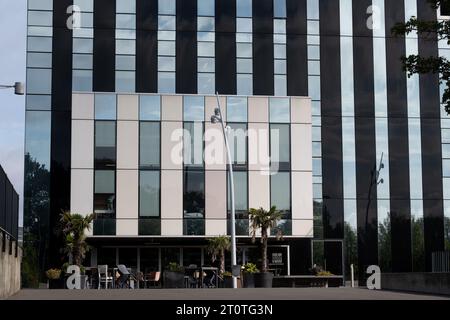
[53, 273]
[250, 268]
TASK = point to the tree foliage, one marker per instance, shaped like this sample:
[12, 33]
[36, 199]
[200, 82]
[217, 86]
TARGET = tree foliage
[432, 31]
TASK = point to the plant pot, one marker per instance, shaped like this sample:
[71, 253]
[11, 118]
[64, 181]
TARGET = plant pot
[173, 279]
[263, 280]
[56, 284]
[228, 282]
[249, 280]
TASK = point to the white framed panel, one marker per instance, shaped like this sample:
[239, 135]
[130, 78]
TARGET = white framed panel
[301, 110]
[216, 194]
[258, 109]
[82, 106]
[172, 145]
[303, 228]
[128, 107]
[215, 150]
[301, 147]
[82, 192]
[82, 155]
[127, 203]
[215, 227]
[173, 228]
[172, 108]
[258, 146]
[172, 194]
[302, 195]
[127, 144]
[127, 227]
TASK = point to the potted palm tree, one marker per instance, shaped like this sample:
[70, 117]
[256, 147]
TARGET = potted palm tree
[264, 220]
[216, 248]
[73, 227]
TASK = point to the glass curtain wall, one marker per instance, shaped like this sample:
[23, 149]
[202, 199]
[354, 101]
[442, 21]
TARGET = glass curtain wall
[206, 46]
[166, 45]
[244, 47]
[348, 138]
[125, 45]
[149, 165]
[83, 42]
[194, 168]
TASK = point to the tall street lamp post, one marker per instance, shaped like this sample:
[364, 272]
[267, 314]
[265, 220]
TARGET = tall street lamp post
[217, 117]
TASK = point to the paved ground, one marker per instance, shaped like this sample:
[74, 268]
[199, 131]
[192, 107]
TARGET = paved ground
[222, 294]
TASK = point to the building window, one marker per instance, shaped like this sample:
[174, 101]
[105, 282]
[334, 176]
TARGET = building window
[104, 202]
[240, 201]
[105, 107]
[149, 189]
[237, 109]
[279, 40]
[280, 110]
[125, 45]
[82, 57]
[244, 47]
[280, 141]
[280, 197]
[105, 144]
[149, 140]
[194, 108]
[149, 108]
[206, 82]
[166, 45]
[194, 202]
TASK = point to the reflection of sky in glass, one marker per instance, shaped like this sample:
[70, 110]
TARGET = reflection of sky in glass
[149, 108]
[280, 191]
[312, 9]
[279, 110]
[415, 159]
[38, 125]
[240, 190]
[350, 213]
[194, 109]
[381, 129]
[348, 150]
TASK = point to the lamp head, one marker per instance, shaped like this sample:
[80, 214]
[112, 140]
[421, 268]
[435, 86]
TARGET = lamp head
[217, 112]
[19, 88]
[214, 119]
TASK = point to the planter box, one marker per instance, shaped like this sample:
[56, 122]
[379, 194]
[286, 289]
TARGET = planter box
[56, 283]
[249, 280]
[173, 279]
[263, 280]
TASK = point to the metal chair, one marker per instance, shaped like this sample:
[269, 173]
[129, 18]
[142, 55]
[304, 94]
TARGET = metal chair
[153, 278]
[103, 276]
[125, 275]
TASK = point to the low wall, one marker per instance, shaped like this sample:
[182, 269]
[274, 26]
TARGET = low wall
[433, 283]
[9, 269]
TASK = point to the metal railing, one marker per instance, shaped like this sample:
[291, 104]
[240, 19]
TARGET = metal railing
[440, 261]
[9, 212]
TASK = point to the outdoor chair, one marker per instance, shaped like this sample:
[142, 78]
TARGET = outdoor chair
[124, 278]
[103, 276]
[153, 278]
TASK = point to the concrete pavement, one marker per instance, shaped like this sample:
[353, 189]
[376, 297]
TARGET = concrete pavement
[222, 294]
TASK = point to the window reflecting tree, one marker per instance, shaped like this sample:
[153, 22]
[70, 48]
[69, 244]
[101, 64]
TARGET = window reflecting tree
[384, 245]
[36, 216]
[351, 249]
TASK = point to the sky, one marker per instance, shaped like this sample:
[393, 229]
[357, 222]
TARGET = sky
[13, 21]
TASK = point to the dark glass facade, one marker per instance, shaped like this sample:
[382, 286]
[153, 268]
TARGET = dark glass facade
[331, 54]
